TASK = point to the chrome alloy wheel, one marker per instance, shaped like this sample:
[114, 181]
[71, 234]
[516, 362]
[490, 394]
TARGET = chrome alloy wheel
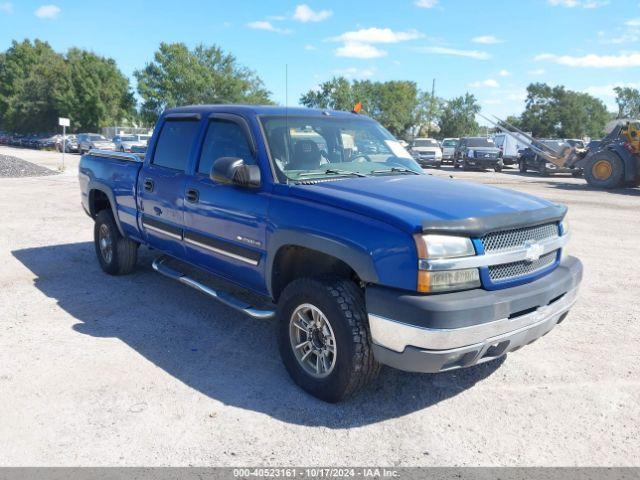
[106, 245]
[312, 340]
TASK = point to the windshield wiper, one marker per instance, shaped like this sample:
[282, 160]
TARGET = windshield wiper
[332, 171]
[396, 169]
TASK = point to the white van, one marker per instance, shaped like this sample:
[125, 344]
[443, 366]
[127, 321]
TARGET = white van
[510, 144]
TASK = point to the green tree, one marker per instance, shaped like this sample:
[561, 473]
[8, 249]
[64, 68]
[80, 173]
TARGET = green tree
[38, 85]
[100, 92]
[458, 116]
[558, 112]
[335, 94]
[179, 76]
[392, 103]
[428, 111]
[628, 100]
[33, 82]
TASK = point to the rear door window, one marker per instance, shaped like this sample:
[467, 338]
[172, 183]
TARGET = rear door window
[175, 143]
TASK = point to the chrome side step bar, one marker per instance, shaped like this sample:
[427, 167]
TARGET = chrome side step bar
[229, 300]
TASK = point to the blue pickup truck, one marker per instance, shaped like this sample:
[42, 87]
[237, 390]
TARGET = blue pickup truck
[324, 217]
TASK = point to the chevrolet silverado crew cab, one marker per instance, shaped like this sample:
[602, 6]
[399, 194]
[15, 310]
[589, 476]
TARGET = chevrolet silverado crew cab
[361, 257]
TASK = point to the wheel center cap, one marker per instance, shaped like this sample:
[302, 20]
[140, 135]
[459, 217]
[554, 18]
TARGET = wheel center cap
[317, 339]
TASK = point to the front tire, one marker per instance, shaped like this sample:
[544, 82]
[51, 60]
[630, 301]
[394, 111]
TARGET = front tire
[324, 339]
[117, 255]
[604, 170]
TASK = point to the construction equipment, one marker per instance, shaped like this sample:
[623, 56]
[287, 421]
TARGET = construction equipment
[611, 162]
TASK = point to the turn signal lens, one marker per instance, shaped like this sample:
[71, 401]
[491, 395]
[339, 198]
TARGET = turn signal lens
[448, 280]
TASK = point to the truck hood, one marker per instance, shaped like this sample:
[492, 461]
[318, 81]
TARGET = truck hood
[410, 202]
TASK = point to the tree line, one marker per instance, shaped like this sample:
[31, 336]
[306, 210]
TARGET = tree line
[38, 85]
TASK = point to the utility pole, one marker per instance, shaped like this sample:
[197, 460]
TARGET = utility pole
[430, 115]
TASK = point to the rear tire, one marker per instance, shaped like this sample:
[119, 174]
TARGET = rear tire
[117, 255]
[522, 166]
[604, 170]
[340, 302]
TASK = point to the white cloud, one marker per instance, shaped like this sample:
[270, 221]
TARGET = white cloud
[455, 52]
[264, 25]
[579, 3]
[623, 60]
[359, 50]
[492, 101]
[353, 72]
[309, 47]
[504, 73]
[6, 7]
[607, 90]
[47, 12]
[426, 3]
[488, 83]
[537, 71]
[634, 22]
[377, 35]
[486, 40]
[304, 14]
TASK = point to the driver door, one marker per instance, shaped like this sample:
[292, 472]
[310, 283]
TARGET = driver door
[225, 225]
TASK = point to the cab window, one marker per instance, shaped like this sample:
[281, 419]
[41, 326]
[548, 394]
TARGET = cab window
[175, 143]
[225, 138]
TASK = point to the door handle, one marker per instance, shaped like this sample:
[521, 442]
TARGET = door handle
[148, 185]
[192, 195]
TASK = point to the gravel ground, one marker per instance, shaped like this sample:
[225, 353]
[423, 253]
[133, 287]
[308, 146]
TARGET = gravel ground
[13, 167]
[139, 370]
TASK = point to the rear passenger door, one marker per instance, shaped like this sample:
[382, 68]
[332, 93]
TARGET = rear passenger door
[161, 185]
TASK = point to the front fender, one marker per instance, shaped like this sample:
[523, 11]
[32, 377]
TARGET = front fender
[358, 259]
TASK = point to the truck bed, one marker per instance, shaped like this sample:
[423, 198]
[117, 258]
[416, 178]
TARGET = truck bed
[116, 175]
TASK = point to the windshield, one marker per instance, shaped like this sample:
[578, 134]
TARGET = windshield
[304, 148]
[449, 143]
[95, 138]
[425, 142]
[127, 139]
[555, 144]
[144, 138]
[480, 142]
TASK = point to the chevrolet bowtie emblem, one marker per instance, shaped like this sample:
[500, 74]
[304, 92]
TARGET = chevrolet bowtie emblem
[533, 251]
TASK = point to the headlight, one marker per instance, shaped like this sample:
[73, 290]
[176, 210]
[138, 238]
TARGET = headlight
[564, 226]
[444, 246]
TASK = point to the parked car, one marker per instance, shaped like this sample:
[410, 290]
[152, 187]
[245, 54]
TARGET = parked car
[47, 142]
[363, 260]
[449, 149]
[71, 145]
[510, 144]
[575, 142]
[530, 160]
[477, 152]
[124, 143]
[89, 141]
[427, 152]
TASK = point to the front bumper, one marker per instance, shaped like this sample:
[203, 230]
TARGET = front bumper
[434, 333]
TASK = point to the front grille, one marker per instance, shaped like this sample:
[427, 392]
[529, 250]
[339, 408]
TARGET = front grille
[516, 238]
[479, 154]
[513, 270]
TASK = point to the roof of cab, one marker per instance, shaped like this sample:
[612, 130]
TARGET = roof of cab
[260, 110]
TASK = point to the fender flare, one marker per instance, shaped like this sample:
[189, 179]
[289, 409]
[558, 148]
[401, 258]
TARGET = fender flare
[93, 185]
[357, 259]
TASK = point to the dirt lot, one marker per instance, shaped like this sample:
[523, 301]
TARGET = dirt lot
[139, 370]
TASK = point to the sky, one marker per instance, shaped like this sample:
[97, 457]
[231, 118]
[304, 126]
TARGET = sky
[492, 49]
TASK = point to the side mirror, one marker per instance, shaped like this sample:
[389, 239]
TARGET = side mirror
[233, 171]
